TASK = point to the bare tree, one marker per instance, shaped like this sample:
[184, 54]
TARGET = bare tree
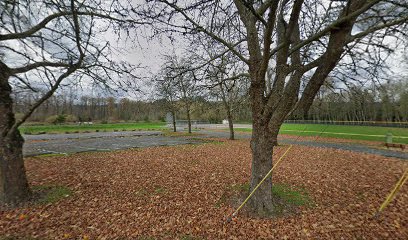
[302, 41]
[166, 89]
[183, 80]
[228, 82]
[43, 44]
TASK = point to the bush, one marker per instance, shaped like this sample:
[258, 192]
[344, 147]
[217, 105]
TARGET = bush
[162, 119]
[146, 119]
[56, 119]
[71, 118]
[60, 119]
[51, 119]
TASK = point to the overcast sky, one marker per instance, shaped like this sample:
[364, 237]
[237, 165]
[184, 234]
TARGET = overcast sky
[149, 54]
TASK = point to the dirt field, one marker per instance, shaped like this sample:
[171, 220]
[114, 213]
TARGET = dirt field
[175, 192]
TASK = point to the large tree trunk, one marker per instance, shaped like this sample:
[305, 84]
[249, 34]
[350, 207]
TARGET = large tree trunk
[261, 145]
[13, 181]
[262, 149]
[275, 132]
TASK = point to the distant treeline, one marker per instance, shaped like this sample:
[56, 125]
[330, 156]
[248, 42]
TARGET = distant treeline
[110, 109]
[388, 103]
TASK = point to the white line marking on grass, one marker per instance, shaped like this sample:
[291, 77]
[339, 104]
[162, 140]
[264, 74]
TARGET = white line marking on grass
[355, 134]
[52, 152]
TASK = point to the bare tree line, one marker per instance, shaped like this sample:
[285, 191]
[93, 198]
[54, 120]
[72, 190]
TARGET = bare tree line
[388, 102]
[87, 109]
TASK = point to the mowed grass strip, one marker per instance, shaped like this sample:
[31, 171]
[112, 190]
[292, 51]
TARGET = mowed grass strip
[370, 133]
[71, 128]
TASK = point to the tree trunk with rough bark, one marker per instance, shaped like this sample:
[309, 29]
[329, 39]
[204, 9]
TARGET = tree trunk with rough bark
[275, 132]
[261, 146]
[262, 149]
[13, 181]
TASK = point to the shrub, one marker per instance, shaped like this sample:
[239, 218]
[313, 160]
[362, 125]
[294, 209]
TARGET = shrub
[61, 118]
[162, 119]
[56, 119]
[71, 118]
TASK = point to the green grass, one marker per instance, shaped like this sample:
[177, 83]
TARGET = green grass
[286, 198]
[292, 195]
[74, 128]
[240, 187]
[369, 133]
[52, 194]
[50, 155]
[159, 190]
[144, 193]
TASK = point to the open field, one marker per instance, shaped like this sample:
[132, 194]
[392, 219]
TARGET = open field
[71, 128]
[186, 192]
[400, 135]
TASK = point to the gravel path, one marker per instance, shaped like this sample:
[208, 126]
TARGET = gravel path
[91, 135]
[107, 141]
[355, 147]
[102, 141]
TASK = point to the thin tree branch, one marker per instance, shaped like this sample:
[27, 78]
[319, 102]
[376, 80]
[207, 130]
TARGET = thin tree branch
[209, 33]
[38, 65]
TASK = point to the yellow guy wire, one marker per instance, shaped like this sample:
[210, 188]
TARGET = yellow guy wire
[397, 187]
[259, 184]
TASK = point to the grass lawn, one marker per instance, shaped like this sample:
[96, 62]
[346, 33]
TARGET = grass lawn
[370, 133]
[71, 128]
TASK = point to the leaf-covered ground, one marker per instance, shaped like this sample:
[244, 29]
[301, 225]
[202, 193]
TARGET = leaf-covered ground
[177, 193]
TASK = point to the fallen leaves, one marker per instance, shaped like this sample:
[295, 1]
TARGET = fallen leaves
[174, 192]
[22, 217]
